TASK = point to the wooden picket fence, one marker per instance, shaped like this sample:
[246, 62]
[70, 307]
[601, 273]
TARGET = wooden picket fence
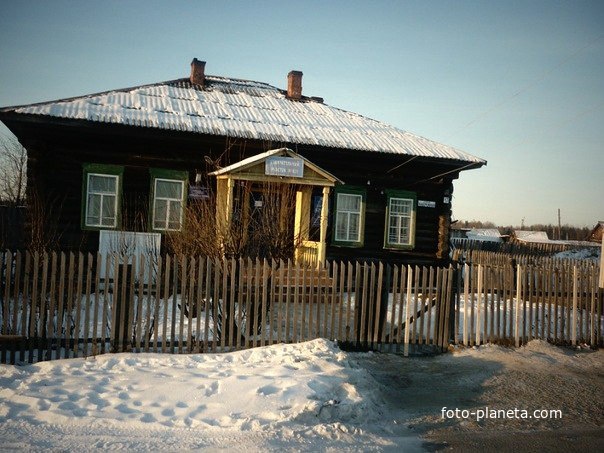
[62, 305]
[490, 258]
[513, 305]
[510, 246]
[520, 247]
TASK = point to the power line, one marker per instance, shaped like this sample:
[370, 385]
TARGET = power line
[528, 86]
[564, 122]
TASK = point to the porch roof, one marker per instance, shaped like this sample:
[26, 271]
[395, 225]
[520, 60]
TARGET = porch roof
[252, 168]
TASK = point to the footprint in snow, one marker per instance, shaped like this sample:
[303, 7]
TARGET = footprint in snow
[75, 397]
[148, 418]
[267, 390]
[213, 388]
[94, 398]
[125, 409]
[168, 412]
[73, 408]
[43, 405]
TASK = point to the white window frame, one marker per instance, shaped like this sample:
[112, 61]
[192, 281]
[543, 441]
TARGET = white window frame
[168, 200]
[411, 240]
[102, 194]
[348, 213]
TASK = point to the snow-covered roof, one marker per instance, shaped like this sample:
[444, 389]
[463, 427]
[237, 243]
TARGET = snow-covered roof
[489, 232]
[541, 237]
[531, 236]
[484, 234]
[244, 109]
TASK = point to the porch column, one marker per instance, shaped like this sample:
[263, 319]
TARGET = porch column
[323, 228]
[224, 207]
[302, 220]
[601, 285]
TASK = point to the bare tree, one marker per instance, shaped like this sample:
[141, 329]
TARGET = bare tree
[42, 222]
[263, 229]
[13, 171]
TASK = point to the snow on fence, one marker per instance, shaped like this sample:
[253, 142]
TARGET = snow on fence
[57, 305]
[511, 247]
[588, 258]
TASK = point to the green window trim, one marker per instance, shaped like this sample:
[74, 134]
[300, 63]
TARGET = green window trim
[167, 175]
[101, 170]
[401, 195]
[349, 190]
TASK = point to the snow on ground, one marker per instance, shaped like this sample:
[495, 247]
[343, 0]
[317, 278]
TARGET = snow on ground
[587, 253]
[307, 396]
[304, 395]
[538, 376]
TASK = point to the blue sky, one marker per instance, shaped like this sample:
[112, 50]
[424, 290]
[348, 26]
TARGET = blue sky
[520, 84]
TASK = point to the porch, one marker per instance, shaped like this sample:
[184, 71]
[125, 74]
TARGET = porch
[282, 192]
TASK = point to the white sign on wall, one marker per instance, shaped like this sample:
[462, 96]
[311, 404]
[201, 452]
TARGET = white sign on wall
[426, 204]
[291, 167]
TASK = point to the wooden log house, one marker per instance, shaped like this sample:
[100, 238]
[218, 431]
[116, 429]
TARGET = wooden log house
[131, 159]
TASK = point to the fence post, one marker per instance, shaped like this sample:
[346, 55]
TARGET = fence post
[121, 305]
[384, 295]
[407, 308]
[455, 312]
[601, 283]
[479, 311]
[448, 309]
[517, 312]
[601, 295]
[4, 276]
[573, 327]
[466, 296]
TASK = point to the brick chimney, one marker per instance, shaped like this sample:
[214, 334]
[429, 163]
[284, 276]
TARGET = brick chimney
[294, 85]
[198, 69]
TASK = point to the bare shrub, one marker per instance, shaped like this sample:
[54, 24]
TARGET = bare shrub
[261, 225]
[42, 217]
[13, 172]
[272, 234]
[198, 236]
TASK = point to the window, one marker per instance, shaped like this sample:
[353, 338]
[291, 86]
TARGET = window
[349, 217]
[101, 205]
[101, 194]
[400, 220]
[168, 199]
[167, 204]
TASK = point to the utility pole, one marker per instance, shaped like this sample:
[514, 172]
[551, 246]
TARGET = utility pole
[601, 283]
[559, 226]
[602, 265]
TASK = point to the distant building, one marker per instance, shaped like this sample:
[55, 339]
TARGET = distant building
[541, 238]
[459, 233]
[596, 233]
[531, 237]
[485, 234]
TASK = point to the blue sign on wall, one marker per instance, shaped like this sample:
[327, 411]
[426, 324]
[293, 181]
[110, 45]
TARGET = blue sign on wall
[284, 166]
